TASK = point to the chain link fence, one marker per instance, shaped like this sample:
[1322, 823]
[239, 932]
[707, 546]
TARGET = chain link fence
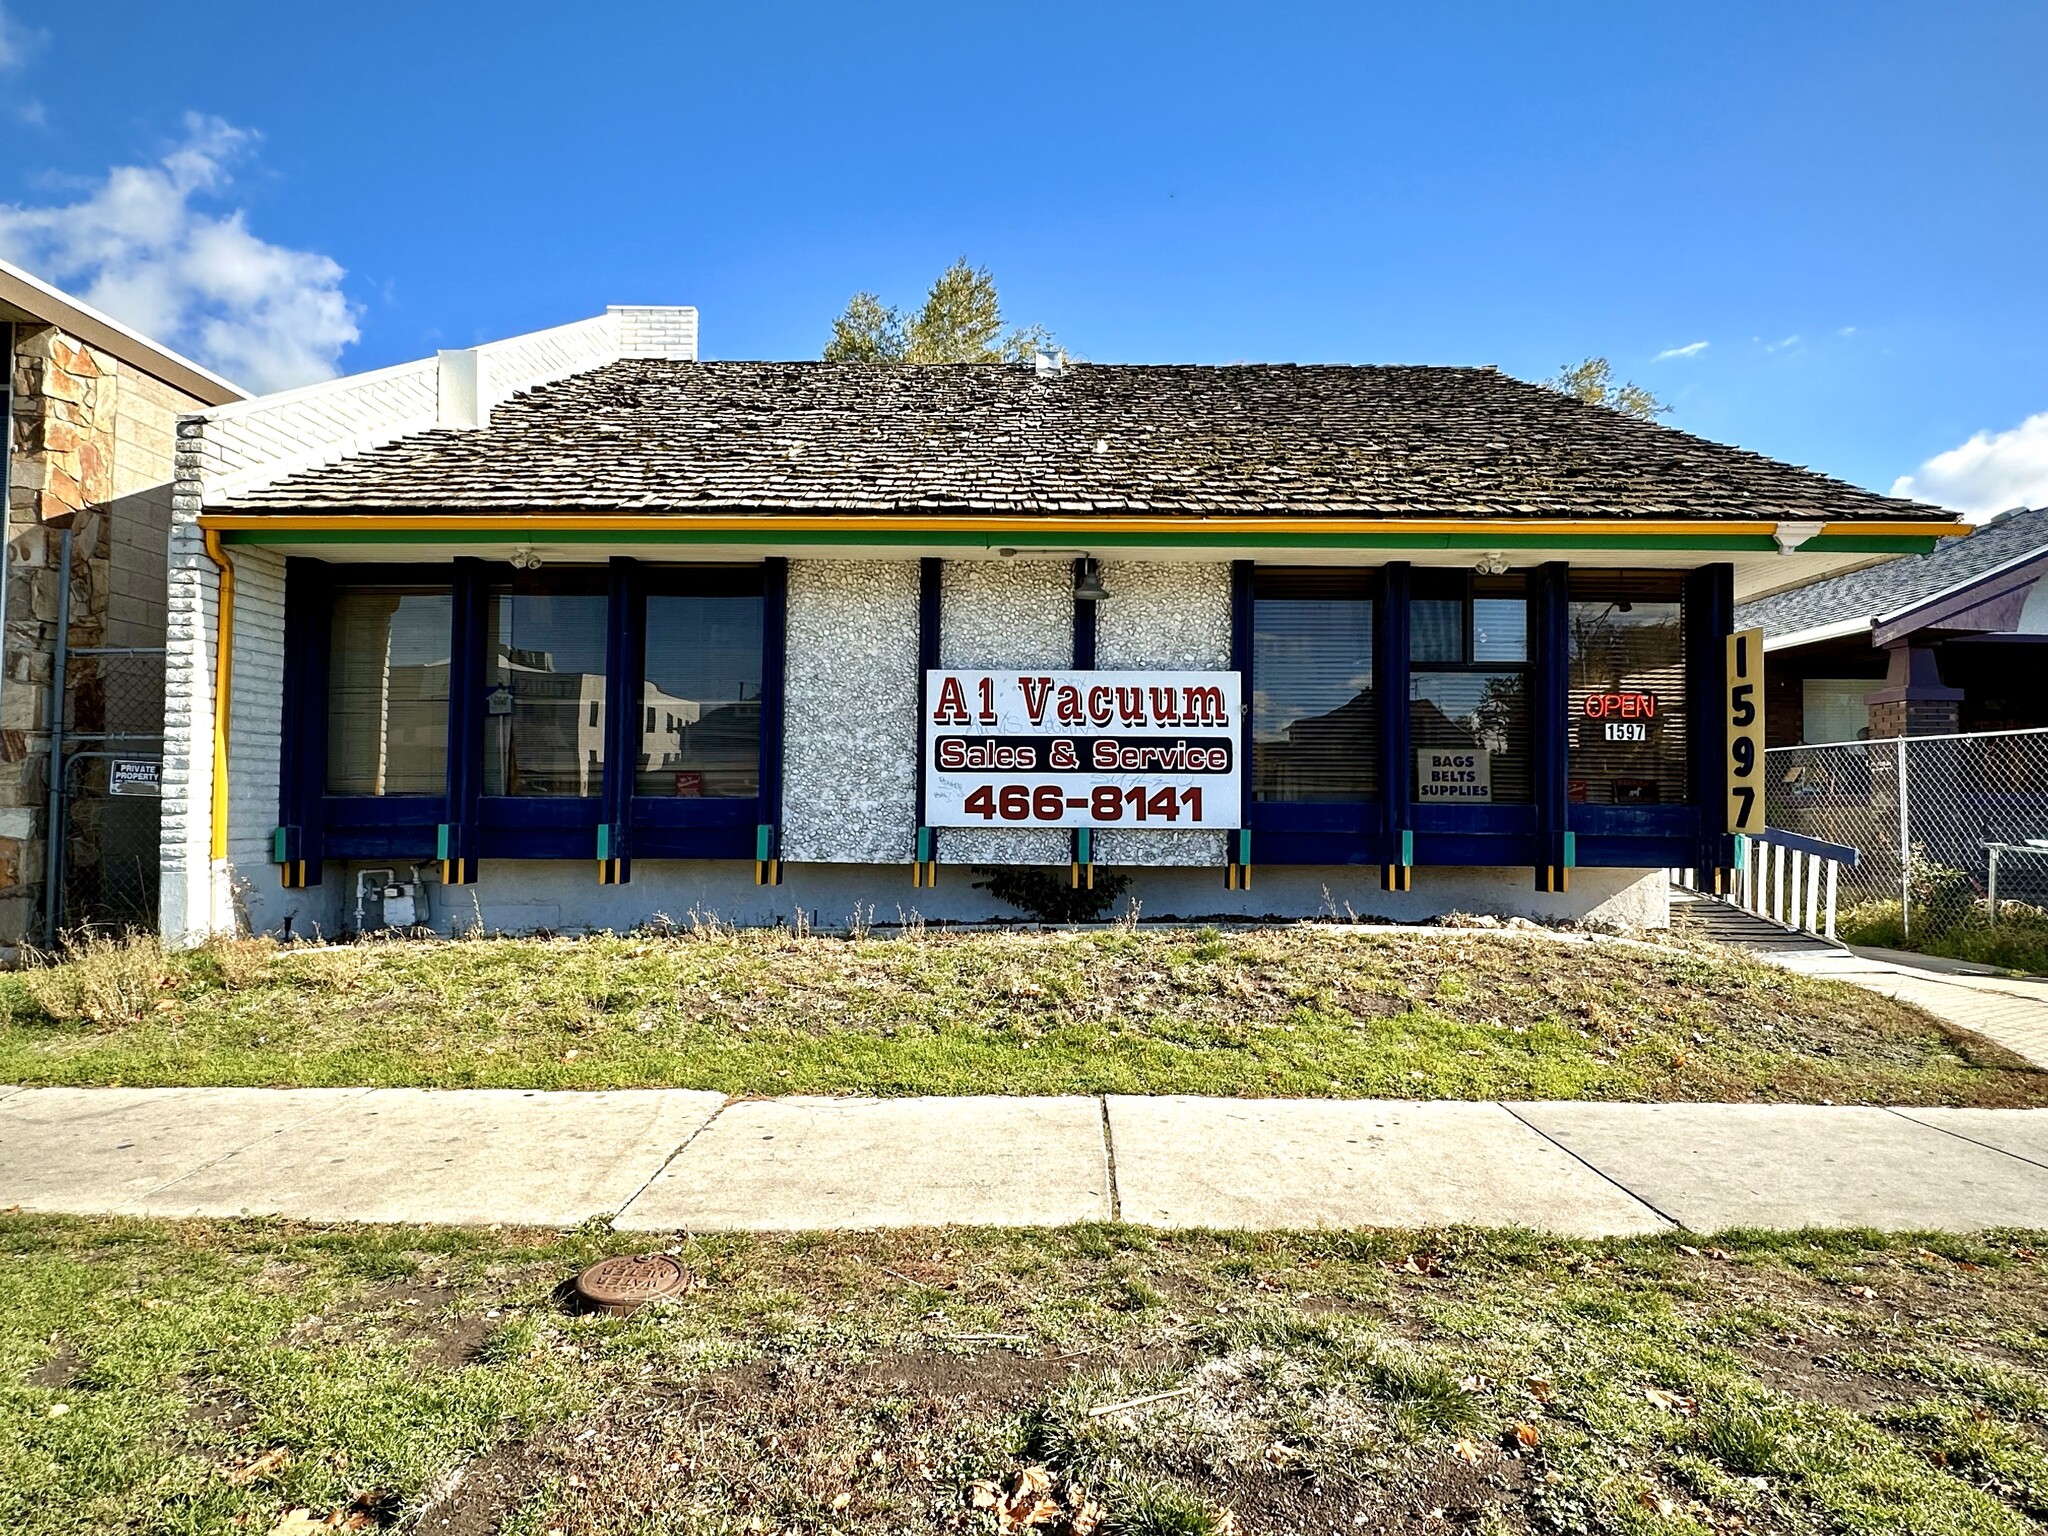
[110, 815]
[1926, 800]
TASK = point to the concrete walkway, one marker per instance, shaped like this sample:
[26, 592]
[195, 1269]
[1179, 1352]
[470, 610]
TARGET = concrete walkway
[2009, 1011]
[669, 1160]
[2012, 1012]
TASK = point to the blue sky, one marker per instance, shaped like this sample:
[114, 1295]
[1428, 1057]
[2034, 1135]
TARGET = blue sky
[1845, 203]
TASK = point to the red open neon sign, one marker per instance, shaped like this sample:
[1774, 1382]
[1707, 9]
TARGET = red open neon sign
[1621, 706]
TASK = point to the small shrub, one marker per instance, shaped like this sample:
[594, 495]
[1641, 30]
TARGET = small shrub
[1942, 897]
[99, 979]
[1048, 892]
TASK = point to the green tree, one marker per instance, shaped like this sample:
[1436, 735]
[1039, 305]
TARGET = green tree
[961, 322]
[1593, 382]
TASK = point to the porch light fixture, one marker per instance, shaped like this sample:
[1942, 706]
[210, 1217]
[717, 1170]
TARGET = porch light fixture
[1088, 587]
[1492, 563]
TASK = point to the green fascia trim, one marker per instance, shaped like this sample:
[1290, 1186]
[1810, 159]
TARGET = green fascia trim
[1717, 543]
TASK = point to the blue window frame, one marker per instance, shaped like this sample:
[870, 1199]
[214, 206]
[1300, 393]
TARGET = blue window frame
[1486, 662]
[541, 683]
[1310, 647]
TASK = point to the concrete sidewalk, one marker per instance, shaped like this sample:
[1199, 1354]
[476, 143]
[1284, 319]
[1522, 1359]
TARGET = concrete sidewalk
[669, 1160]
[2009, 1011]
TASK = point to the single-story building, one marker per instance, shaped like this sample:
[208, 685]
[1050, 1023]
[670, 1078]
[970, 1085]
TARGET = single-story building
[574, 630]
[1953, 640]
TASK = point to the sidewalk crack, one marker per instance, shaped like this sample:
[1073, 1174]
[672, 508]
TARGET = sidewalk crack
[1649, 1205]
[682, 1147]
[1116, 1198]
[1931, 1125]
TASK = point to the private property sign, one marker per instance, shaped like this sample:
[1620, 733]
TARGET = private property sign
[1157, 750]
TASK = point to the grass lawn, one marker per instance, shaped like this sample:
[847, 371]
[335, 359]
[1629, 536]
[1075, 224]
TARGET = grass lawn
[202, 1377]
[1275, 1011]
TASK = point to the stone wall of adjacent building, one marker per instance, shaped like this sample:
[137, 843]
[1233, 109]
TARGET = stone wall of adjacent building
[92, 442]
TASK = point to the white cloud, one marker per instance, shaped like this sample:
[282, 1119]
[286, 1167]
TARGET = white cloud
[1690, 349]
[17, 42]
[139, 247]
[1989, 473]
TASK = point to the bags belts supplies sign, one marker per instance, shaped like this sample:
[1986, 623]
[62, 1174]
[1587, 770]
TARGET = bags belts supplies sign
[1155, 750]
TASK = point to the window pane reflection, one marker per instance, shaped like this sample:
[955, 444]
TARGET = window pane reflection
[1474, 712]
[387, 701]
[1436, 630]
[1315, 720]
[700, 705]
[544, 693]
[1500, 629]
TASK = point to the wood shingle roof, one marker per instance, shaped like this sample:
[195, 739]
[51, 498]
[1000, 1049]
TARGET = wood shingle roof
[666, 436]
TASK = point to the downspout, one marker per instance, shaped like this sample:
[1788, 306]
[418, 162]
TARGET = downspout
[223, 686]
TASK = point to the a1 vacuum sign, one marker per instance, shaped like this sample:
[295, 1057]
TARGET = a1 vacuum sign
[1152, 750]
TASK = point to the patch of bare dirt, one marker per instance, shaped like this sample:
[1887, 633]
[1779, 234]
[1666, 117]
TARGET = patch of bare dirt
[60, 1370]
[425, 1316]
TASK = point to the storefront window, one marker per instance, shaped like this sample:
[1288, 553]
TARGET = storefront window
[544, 658]
[1315, 721]
[1468, 690]
[1630, 729]
[700, 710]
[387, 701]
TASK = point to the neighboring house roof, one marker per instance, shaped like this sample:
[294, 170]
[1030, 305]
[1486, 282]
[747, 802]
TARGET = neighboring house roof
[23, 295]
[1873, 597]
[658, 434]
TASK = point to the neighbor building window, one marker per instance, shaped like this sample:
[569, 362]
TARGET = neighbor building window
[387, 701]
[1836, 708]
[701, 673]
[1468, 689]
[544, 660]
[1315, 721]
[1630, 729]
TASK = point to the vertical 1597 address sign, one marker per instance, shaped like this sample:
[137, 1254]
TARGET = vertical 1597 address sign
[1746, 731]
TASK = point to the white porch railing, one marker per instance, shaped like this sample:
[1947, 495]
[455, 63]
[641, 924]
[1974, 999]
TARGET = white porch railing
[1785, 878]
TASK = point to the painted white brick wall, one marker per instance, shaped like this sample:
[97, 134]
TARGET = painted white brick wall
[186, 890]
[850, 732]
[234, 448]
[647, 330]
[255, 727]
[199, 898]
[252, 442]
[1162, 615]
[527, 362]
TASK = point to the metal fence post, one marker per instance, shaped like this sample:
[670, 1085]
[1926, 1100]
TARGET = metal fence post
[1905, 852]
[53, 839]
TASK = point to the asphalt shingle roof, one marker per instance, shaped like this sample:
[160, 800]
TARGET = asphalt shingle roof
[1898, 584]
[654, 435]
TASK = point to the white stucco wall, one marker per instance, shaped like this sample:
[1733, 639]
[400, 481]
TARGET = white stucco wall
[1007, 613]
[850, 732]
[1167, 616]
